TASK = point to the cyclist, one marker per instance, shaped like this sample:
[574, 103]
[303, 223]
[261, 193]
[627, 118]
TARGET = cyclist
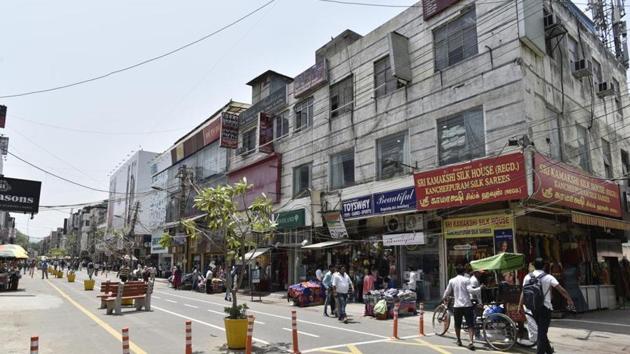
[459, 287]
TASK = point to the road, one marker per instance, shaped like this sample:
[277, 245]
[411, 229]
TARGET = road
[67, 320]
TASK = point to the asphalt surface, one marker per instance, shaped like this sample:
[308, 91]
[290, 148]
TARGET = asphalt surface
[67, 320]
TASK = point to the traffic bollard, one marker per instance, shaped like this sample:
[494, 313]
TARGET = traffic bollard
[421, 313]
[396, 308]
[34, 345]
[188, 337]
[125, 340]
[296, 347]
[250, 332]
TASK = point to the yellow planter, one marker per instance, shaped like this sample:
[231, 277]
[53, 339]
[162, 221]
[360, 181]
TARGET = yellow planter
[236, 333]
[89, 284]
[127, 302]
[71, 277]
[59, 274]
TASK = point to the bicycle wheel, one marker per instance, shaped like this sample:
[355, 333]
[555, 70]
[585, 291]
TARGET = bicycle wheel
[499, 331]
[528, 336]
[441, 320]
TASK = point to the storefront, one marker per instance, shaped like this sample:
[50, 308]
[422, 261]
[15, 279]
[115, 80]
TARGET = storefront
[293, 230]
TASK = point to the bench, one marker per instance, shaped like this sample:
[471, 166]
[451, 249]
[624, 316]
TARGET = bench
[140, 292]
[109, 289]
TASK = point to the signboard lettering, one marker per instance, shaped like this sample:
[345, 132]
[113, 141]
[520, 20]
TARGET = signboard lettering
[561, 184]
[19, 195]
[380, 203]
[477, 225]
[412, 238]
[483, 181]
[291, 219]
[336, 227]
[311, 79]
[229, 130]
[357, 207]
[265, 133]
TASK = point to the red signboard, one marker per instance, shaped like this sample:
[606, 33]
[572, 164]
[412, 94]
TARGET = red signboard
[265, 133]
[431, 8]
[212, 132]
[560, 184]
[229, 130]
[483, 181]
[263, 174]
[3, 115]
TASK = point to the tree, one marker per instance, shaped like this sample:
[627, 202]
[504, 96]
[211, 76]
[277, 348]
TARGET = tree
[241, 228]
[21, 239]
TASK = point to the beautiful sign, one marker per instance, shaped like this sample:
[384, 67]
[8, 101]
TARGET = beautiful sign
[229, 130]
[311, 79]
[487, 225]
[379, 203]
[487, 180]
[19, 195]
[560, 184]
[412, 238]
[265, 133]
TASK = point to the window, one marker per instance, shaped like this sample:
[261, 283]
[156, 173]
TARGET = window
[281, 125]
[249, 140]
[391, 155]
[342, 169]
[301, 180]
[341, 97]
[572, 48]
[625, 163]
[608, 168]
[384, 81]
[584, 157]
[303, 114]
[455, 41]
[461, 137]
[618, 98]
[555, 137]
[597, 73]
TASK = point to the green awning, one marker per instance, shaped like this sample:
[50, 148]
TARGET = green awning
[504, 262]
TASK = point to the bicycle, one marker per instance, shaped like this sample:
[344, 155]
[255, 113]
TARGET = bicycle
[499, 330]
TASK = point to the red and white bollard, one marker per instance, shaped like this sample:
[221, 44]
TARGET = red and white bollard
[125, 340]
[296, 347]
[34, 345]
[396, 309]
[250, 333]
[188, 337]
[421, 315]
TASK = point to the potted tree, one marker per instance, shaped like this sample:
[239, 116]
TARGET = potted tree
[228, 212]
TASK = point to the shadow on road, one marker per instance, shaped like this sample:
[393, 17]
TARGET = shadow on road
[271, 348]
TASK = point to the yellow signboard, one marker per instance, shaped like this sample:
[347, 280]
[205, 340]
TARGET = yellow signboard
[477, 225]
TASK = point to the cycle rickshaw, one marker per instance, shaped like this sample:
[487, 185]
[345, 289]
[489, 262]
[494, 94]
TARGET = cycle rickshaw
[497, 319]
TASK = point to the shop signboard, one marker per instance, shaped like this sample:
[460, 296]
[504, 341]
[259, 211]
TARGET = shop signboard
[19, 195]
[229, 130]
[156, 248]
[212, 132]
[403, 199]
[311, 79]
[288, 220]
[265, 133]
[557, 183]
[335, 224]
[4, 145]
[476, 226]
[503, 241]
[431, 8]
[3, 115]
[405, 239]
[357, 207]
[486, 180]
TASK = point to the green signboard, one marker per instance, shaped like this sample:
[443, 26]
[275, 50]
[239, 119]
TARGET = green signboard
[291, 219]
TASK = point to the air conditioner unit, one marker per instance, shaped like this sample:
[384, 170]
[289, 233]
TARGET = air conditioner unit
[414, 222]
[394, 223]
[582, 68]
[605, 89]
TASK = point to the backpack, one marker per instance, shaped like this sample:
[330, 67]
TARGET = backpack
[533, 295]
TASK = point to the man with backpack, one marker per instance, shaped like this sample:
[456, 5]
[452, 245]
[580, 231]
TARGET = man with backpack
[536, 296]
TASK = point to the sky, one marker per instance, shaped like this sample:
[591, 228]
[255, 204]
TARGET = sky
[82, 133]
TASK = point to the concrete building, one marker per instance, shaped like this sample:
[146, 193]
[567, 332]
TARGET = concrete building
[491, 95]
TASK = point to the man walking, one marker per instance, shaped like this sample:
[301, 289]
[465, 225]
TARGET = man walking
[327, 283]
[459, 287]
[342, 285]
[536, 296]
[44, 266]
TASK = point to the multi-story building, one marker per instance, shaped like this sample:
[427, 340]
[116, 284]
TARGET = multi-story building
[447, 134]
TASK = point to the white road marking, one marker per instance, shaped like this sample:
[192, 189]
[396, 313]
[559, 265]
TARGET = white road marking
[156, 297]
[347, 344]
[593, 322]
[217, 312]
[202, 322]
[283, 317]
[173, 301]
[193, 306]
[260, 323]
[300, 332]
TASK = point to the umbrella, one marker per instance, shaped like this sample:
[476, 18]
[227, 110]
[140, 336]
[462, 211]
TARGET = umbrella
[504, 262]
[13, 251]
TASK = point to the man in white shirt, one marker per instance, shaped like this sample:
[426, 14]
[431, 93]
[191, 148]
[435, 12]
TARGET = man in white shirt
[342, 285]
[459, 287]
[543, 317]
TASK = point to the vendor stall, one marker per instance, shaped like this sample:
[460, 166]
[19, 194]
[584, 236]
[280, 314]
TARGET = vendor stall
[308, 293]
[405, 298]
[9, 269]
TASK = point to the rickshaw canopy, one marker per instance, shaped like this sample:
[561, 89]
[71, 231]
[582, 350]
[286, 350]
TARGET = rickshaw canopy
[503, 262]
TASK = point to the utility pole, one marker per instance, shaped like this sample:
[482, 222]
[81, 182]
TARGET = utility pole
[132, 226]
[183, 175]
